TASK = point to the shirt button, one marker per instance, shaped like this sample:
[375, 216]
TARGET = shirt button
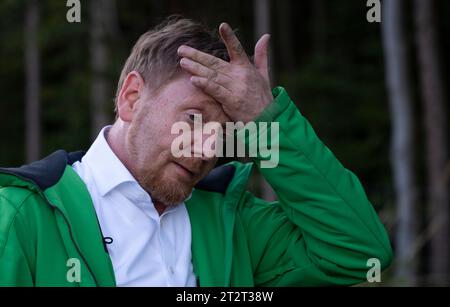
[171, 270]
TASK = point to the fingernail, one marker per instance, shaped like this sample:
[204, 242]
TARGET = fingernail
[180, 49]
[225, 26]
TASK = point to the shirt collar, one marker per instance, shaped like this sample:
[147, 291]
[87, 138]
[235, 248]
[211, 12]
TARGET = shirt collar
[108, 171]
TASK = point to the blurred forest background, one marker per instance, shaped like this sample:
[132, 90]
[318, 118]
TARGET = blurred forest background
[376, 93]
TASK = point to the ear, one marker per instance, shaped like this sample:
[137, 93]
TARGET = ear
[130, 93]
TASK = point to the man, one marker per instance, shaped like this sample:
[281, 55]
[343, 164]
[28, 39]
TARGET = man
[130, 212]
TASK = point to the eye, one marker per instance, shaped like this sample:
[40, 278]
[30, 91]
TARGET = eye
[191, 117]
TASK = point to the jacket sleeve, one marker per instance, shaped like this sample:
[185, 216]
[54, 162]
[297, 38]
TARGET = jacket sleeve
[14, 265]
[323, 230]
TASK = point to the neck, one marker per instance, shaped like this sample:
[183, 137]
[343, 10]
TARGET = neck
[116, 141]
[159, 206]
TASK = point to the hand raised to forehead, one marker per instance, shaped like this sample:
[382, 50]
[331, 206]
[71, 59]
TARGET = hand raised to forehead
[241, 87]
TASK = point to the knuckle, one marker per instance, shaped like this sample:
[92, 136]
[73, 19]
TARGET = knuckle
[238, 49]
[213, 75]
[212, 63]
[216, 87]
[235, 102]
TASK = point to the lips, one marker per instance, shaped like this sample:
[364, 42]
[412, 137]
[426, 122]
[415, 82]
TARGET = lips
[189, 170]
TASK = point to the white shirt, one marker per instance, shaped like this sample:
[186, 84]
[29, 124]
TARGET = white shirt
[147, 249]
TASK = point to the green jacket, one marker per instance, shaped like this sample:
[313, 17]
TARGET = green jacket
[322, 231]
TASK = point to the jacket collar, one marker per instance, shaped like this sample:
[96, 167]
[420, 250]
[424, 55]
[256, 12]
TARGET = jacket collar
[47, 172]
[58, 184]
[71, 197]
[54, 178]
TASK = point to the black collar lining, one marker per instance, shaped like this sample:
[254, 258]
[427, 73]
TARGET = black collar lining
[48, 171]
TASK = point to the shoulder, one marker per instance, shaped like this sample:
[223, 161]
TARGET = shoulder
[12, 199]
[13, 203]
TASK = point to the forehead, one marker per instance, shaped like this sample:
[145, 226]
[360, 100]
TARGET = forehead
[184, 96]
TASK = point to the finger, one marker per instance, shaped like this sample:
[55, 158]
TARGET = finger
[235, 50]
[262, 56]
[202, 57]
[198, 69]
[211, 88]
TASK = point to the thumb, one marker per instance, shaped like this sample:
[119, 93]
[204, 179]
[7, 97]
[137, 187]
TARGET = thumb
[262, 55]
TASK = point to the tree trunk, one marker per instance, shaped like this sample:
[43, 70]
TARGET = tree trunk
[319, 27]
[32, 75]
[102, 14]
[433, 98]
[402, 142]
[286, 36]
[262, 26]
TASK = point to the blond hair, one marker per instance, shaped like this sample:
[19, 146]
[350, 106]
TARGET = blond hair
[155, 58]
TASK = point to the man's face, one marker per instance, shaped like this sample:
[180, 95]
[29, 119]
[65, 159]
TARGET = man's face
[168, 179]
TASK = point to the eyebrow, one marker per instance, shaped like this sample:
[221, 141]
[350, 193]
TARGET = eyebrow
[208, 102]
